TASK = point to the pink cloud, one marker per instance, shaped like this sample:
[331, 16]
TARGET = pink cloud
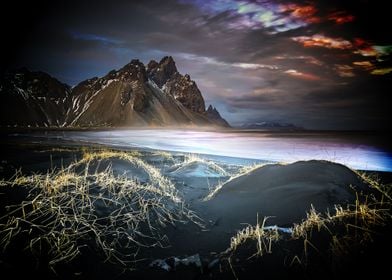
[319, 40]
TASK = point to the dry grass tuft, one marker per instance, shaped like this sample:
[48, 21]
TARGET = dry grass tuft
[133, 158]
[313, 220]
[193, 158]
[243, 171]
[165, 155]
[373, 181]
[346, 230]
[264, 237]
[68, 208]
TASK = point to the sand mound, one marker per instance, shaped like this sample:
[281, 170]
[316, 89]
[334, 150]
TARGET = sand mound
[198, 169]
[285, 192]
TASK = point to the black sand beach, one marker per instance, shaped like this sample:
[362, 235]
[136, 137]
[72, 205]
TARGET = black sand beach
[217, 201]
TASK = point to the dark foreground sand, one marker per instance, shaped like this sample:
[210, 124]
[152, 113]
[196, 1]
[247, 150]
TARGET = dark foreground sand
[283, 192]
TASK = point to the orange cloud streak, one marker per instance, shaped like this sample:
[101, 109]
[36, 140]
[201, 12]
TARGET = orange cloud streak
[323, 41]
[340, 17]
[367, 65]
[302, 75]
[344, 71]
[307, 13]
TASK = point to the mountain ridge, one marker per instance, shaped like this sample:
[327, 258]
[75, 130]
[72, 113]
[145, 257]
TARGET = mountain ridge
[267, 125]
[135, 95]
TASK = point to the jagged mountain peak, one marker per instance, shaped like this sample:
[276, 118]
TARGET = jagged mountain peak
[161, 72]
[152, 65]
[184, 90]
[213, 114]
[134, 95]
[169, 64]
[135, 70]
[211, 109]
[134, 63]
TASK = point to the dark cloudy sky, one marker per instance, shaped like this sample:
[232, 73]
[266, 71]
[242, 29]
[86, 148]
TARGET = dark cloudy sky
[317, 64]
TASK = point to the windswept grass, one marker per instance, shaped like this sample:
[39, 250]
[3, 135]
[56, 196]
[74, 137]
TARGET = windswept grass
[165, 155]
[375, 183]
[344, 231]
[193, 158]
[263, 236]
[133, 157]
[348, 229]
[59, 150]
[71, 208]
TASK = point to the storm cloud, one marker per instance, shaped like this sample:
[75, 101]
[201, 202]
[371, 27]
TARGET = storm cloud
[316, 64]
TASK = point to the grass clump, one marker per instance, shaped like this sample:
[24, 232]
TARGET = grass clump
[263, 236]
[193, 158]
[164, 155]
[329, 239]
[69, 209]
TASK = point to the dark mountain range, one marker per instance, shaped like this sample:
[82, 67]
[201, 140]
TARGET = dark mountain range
[131, 96]
[32, 99]
[270, 126]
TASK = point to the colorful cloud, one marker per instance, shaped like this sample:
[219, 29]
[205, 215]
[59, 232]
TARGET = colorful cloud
[383, 50]
[306, 13]
[212, 61]
[344, 71]
[319, 40]
[266, 14]
[276, 17]
[366, 48]
[270, 14]
[382, 71]
[340, 17]
[306, 59]
[367, 65]
[300, 75]
[357, 46]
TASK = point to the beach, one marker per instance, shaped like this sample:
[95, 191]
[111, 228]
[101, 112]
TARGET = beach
[202, 212]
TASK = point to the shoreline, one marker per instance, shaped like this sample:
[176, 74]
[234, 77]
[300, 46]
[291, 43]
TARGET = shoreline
[366, 152]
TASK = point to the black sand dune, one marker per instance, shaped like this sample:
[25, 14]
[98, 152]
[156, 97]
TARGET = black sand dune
[198, 169]
[284, 192]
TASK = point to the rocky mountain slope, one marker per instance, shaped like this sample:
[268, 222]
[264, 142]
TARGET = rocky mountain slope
[135, 95]
[32, 99]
